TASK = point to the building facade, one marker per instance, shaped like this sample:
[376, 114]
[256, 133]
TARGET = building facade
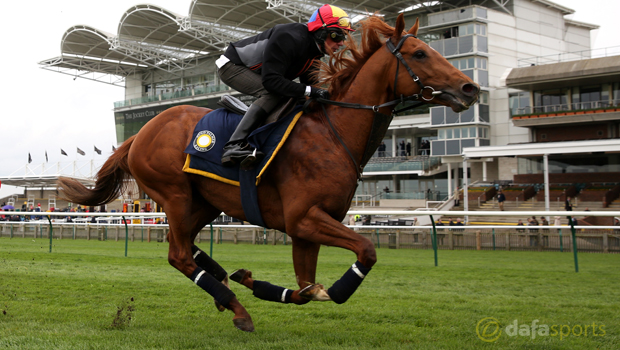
[171, 62]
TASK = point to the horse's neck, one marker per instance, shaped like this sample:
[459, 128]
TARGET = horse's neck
[370, 87]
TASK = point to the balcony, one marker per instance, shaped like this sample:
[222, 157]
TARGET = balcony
[401, 164]
[567, 113]
[178, 94]
[461, 46]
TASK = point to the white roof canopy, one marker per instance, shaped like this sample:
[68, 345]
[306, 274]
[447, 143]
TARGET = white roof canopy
[149, 36]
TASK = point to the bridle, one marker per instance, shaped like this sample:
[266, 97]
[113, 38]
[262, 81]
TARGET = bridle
[395, 50]
[383, 119]
[419, 97]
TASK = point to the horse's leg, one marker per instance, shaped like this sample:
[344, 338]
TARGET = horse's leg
[187, 213]
[319, 227]
[205, 211]
[305, 255]
[180, 256]
[204, 261]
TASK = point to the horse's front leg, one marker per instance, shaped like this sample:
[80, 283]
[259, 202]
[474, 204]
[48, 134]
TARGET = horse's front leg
[320, 228]
[305, 256]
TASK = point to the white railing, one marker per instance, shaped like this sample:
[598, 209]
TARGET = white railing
[565, 107]
[569, 56]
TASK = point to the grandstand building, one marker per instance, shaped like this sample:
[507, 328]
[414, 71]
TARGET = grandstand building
[547, 107]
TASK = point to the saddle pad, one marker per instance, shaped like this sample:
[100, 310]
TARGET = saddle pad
[204, 153]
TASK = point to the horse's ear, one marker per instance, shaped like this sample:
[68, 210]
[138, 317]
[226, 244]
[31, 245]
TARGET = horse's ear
[414, 29]
[400, 26]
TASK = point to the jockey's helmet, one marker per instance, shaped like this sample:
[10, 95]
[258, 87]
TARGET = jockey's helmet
[329, 21]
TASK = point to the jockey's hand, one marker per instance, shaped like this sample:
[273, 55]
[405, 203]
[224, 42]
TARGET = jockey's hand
[319, 93]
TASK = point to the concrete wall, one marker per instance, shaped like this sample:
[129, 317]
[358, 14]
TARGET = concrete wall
[534, 30]
[508, 168]
[133, 88]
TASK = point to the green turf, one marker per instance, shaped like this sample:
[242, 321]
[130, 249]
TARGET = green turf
[82, 294]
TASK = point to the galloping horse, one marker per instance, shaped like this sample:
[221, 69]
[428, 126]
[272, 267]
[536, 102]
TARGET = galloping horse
[309, 185]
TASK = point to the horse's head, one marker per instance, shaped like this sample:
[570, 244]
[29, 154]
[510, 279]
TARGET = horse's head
[451, 87]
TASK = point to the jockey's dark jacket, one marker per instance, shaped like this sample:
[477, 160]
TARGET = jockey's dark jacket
[280, 54]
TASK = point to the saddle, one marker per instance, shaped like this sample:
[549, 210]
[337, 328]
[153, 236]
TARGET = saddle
[235, 105]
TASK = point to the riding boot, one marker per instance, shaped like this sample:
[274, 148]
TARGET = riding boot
[237, 150]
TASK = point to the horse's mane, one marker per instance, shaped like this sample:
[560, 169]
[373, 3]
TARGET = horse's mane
[343, 66]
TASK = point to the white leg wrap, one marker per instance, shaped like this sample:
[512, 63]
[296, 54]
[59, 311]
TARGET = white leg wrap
[283, 297]
[198, 277]
[357, 271]
[197, 253]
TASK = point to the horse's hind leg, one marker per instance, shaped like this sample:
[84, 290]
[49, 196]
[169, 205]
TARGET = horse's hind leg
[185, 218]
[205, 262]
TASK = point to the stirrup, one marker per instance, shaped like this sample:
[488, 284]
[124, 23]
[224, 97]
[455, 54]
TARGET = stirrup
[253, 158]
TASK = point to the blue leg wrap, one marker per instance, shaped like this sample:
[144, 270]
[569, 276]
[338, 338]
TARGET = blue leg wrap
[267, 291]
[209, 265]
[342, 290]
[215, 288]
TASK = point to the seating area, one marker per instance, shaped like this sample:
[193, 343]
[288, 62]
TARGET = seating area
[402, 163]
[584, 197]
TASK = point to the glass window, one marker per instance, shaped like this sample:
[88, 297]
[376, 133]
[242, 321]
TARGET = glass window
[468, 116]
[484, 97]
[472, 131]
[437, 46]
[441, 134]
[551, 100]
[465, 133]
[437, 115]
[483, 113]
[466, 44]
[451, 47]
[605, 92]
[481, 29]
[448, 133]
[482, 44]
[457, 133]
[483, 78]
[467, 29]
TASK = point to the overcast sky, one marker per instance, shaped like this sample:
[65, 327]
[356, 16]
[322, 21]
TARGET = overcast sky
[46, 111]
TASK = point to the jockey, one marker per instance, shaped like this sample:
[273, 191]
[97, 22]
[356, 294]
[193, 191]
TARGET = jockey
[265, 65]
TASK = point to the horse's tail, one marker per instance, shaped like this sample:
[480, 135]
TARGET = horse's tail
[110, 180]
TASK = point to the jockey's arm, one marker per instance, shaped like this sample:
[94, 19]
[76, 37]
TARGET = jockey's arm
[280, 54]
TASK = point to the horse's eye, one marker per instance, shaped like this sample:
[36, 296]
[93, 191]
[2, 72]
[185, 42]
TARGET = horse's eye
[419, 55]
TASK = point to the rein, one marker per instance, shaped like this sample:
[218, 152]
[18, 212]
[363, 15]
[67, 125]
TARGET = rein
[419, 98]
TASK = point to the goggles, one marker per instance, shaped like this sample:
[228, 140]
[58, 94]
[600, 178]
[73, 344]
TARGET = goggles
[337, 35]
[344, 22]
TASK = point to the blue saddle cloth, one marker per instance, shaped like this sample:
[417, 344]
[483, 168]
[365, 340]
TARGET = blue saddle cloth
[204, 153]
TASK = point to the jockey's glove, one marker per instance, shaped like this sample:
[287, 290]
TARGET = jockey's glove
[319, 93]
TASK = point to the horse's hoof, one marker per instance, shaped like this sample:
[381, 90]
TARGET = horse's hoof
[239, 275]
[219, 306]
[244, 324]
[315, 292]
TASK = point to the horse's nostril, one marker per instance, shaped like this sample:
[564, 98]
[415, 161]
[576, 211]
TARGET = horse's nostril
[470, 89]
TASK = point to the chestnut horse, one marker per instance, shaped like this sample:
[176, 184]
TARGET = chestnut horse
[309, 185]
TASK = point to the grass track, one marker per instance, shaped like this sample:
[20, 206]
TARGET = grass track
[69, 299]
